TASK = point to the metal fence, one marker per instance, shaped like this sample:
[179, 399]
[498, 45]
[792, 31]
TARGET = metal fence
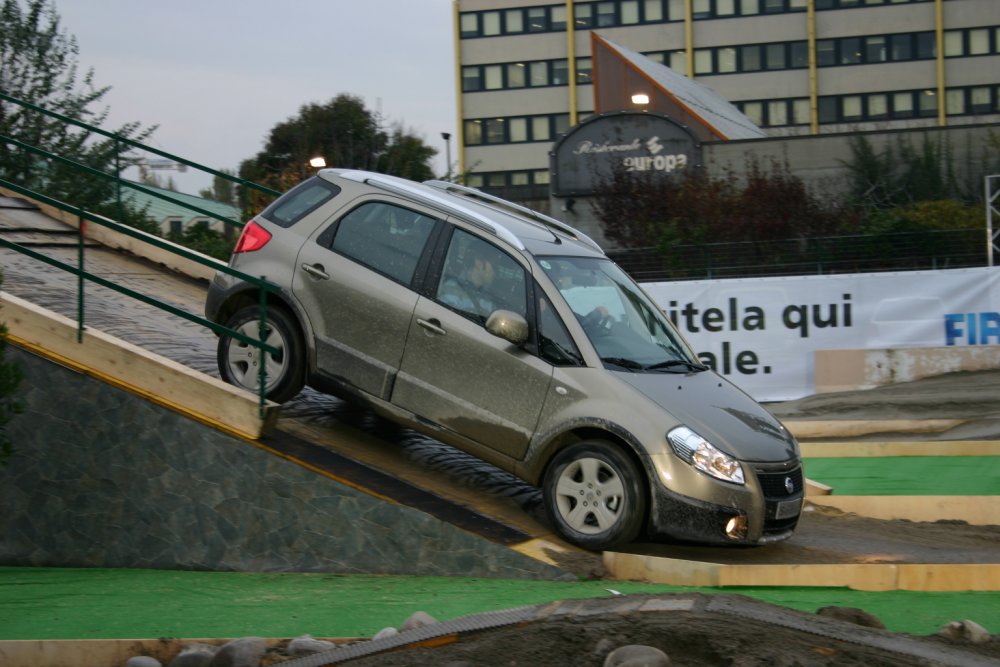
[911, 251]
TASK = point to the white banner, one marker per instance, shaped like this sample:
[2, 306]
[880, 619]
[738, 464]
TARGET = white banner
[761, 333]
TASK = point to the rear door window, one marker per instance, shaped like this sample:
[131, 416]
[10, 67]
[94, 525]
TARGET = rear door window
[387, 238]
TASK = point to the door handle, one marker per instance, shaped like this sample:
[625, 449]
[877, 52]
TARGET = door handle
[316, 271]
[433, 326]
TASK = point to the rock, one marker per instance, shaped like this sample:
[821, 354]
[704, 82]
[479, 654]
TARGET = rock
[851, 615]
[966, 630]
[143, 661]
[243, 652]
[385, 633]
[307, 644]
[194, 655]
[637, 655]
[417, 619]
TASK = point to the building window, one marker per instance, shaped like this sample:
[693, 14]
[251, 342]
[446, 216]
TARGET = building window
[514, 21]
[749, 7]
[979, 100]
[850, 51]
[557, 18]
[518, 128]
[799, 57]
[954, 102]
[583, 16]
[953, 43]
[875, 50]
[629, 12]
[516, 75]
[750, 58]
[584, 71]
[755, 112]
[878, 106]
[538, 74]
[541, 128]
[605, 14]
[494, 131]
[851, 108]
[493, 77]
[560, 72]
[777, 112]
[928, 103]
[473, 132]
[776, 58]
[491, 23]
[469, 25]
[727, 60]
[828, 109]
[801, 112]
[538, 20]
[902, 105]
[703, 61]
[653, 11]
[979, 41]
[471, 79]
[826, 50]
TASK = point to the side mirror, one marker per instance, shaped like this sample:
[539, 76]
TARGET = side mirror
[508, 325]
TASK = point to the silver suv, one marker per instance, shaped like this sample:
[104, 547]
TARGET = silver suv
[511, 336]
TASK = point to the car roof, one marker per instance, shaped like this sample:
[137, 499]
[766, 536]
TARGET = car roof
[523, 228]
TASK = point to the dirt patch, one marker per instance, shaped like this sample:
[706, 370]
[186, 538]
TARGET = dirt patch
[710, 631]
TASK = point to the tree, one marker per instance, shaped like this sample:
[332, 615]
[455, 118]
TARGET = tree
[222, 190]
[10, 377]
[38, 64]
[346, 134]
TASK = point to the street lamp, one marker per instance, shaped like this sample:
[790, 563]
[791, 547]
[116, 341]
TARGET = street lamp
[447, 153]
[317, 162]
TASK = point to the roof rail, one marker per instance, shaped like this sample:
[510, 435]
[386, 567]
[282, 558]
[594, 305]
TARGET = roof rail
[531, 214]
[414, 190]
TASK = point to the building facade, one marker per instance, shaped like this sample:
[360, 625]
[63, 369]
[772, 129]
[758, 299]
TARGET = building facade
[526, 72]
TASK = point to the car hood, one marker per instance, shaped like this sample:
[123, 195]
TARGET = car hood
[718, 411]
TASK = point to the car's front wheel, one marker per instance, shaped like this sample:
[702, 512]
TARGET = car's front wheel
[240, 362]
[595, 495]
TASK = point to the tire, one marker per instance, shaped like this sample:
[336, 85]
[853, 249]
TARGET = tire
[239, 362]
[595, 495]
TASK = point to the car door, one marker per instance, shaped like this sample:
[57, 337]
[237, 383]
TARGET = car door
[354, 279]
[456, 374]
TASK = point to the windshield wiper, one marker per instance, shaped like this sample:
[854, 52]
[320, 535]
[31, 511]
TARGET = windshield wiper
[627, 364]
[677, 363]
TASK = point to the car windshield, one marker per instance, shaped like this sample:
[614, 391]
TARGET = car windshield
[627, 329]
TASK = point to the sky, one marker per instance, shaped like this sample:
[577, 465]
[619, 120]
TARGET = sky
[216, 76]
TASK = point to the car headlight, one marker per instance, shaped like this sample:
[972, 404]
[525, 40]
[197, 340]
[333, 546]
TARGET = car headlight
[700, 453]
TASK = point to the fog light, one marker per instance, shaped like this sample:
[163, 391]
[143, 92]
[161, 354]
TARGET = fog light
[736, 529]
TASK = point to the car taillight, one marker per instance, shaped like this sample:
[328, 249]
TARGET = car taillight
[254, 237]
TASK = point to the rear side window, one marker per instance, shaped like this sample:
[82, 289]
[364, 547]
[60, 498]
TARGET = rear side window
[300, 201]
[387, 238]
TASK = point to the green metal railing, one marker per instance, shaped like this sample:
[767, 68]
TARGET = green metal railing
[123, 145]
[82, 275]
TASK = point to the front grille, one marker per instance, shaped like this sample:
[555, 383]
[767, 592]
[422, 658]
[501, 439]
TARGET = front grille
[772, 483]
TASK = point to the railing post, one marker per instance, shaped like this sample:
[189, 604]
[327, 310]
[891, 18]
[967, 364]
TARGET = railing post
[81, 232]
[261, 330]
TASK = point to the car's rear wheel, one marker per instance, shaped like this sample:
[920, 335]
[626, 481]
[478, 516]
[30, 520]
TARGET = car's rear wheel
[595, 495]
[240, 362]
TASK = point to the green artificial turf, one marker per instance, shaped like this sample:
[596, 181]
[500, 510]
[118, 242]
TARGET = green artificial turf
[907, 475]
[57, 603]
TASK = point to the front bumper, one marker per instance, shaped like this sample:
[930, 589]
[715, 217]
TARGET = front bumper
[767, 509]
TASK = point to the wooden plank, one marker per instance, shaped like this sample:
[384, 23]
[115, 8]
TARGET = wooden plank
[164, 381]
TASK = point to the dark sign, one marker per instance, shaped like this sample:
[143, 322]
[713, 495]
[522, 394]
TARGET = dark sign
[600, 146]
